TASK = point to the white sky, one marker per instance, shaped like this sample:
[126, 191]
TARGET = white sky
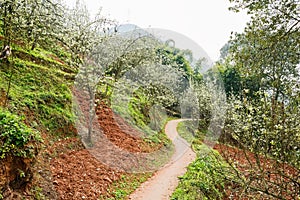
[207, 22]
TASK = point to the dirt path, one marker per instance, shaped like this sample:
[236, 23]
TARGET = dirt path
[165, 180]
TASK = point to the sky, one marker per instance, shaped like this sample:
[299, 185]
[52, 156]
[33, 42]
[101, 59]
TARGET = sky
[207, 22]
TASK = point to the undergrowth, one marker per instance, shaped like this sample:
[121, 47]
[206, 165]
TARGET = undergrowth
[141, 115]
[16, 138]
[40, 90]
[207, 176]
[128, 183]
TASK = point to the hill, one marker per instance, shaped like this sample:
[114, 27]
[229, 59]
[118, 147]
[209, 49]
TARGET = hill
[37, 88]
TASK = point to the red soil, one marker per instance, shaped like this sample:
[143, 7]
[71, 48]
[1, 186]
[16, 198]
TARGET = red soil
[77, 174]
[261, 172]
[120, 133]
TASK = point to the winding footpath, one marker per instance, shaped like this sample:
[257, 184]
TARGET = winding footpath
[164, 182]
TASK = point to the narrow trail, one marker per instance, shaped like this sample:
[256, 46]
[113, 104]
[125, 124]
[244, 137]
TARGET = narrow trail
[165, 180]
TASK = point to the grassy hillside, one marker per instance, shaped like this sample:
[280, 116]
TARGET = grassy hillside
[39, 88]
[36, 97]
[36, 109]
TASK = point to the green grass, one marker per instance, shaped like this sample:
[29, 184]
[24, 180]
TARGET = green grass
[152, 128]
[187, 131]
[39, 101]
[128, 183]
[205, 179]
[40, 90]
[194, 132]
[38, 193]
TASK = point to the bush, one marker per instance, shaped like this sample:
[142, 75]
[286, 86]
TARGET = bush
[265, 127]
[267, 132]
[205, 178]
[15, 137]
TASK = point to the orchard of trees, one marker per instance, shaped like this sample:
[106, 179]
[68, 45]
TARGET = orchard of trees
[258, 70]
[261, 79]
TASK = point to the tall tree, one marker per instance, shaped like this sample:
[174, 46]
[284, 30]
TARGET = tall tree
[268, 51]
[31, 22]
[269, 48]
[82, 33]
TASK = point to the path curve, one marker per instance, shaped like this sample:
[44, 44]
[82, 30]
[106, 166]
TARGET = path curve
[162, 184]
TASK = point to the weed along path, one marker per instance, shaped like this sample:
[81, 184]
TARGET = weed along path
[165, 180]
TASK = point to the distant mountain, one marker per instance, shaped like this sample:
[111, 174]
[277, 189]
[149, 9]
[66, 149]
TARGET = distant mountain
[132, 30]
[123, 28]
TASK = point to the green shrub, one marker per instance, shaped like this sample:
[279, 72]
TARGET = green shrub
[15, 137]
[205, 178]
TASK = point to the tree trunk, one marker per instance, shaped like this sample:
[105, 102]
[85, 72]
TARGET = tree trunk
[9, 85]
[91, 114]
